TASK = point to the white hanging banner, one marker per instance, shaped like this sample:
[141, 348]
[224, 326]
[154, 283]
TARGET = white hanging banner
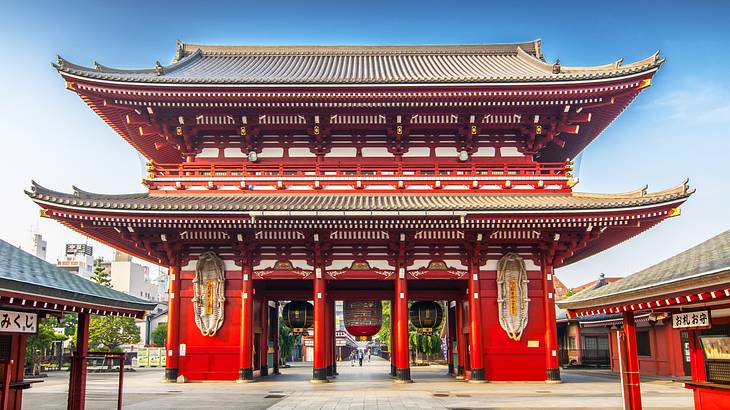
[18, 322]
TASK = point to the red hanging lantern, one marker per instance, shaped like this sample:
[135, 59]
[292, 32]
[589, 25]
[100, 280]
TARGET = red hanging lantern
[363, 319]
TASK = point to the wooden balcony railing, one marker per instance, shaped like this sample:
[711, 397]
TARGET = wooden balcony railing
[359, 176]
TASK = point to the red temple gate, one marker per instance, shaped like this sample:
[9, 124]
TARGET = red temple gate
[360, 173]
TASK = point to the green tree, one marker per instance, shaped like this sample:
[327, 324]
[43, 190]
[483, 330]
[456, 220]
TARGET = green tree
[384, 332]
[287, 341]
[159, 334]
[110, 333]
[100, 275]
[37, 345]
[70, 324]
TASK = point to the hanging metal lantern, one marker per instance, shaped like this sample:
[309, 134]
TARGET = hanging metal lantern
[363, 319]
[426, 316]
[298, 316]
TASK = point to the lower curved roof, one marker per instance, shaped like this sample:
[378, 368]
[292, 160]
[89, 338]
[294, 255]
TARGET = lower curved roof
[249, 202]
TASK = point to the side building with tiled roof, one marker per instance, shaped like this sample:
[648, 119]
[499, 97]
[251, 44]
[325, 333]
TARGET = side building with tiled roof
[31, 289]
[694, 279]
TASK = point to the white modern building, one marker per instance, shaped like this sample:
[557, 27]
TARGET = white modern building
[158, 316]
[37, 246]
[78, 259]
[131, 277]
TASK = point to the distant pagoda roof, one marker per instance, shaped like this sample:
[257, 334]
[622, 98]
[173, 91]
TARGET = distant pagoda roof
[331, 204]
[358, 65]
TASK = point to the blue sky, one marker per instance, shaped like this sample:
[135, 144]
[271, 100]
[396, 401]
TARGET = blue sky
[675, 129]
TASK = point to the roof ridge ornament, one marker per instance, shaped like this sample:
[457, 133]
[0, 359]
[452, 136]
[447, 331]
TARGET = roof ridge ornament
[556, 67]
[159, 69]
[179, 51]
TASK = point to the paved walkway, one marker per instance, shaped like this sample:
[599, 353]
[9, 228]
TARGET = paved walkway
[364, 387]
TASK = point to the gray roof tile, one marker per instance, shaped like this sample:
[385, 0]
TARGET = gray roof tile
[252, 202]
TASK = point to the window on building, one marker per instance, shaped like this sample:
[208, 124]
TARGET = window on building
[643, 343]
[571, 342]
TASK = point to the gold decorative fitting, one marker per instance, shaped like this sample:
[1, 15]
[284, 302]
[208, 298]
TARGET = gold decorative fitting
[44, 213]
[538, 129]
[674, 212]
[242, 131]
[399, 129]
[70, 86]
[316, 130]
[572, 182]
[645, 83]
[474, 130]
[179, 131]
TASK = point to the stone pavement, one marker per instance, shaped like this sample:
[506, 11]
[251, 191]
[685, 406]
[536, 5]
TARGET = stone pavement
[366, 387]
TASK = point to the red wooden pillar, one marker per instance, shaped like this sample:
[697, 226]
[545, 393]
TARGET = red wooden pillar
[632, 362]
[551, 328]
[476, 356]
[245, 356]
[320, 342]
[319, 371]
[402, 360]
[275, 338]
[333, 338]
[173, 323]
[328, 340]
[391, 351]
[264, 339]
[696, 356]
[461, 348]
[77, 376]
[450, 336]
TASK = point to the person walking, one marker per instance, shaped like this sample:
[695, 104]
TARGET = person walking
[360, 356]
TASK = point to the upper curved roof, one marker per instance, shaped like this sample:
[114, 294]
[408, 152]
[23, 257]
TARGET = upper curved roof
[357, 65]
